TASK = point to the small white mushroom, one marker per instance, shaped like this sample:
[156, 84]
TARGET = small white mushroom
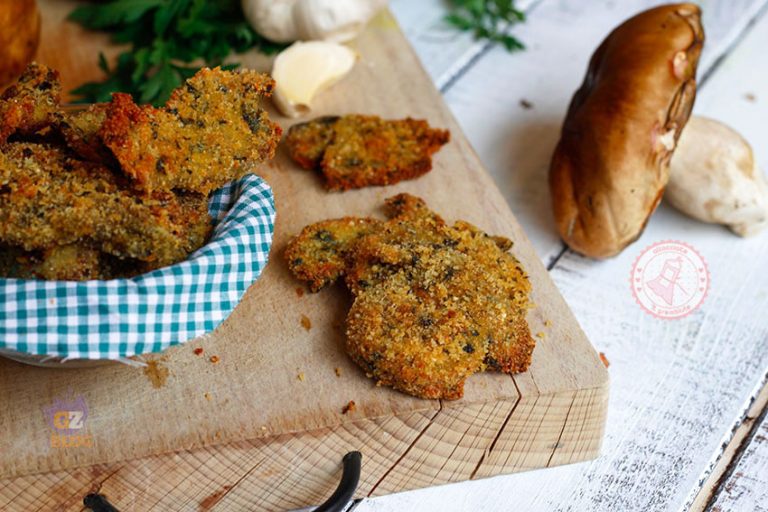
[714, 178]
[284, 21]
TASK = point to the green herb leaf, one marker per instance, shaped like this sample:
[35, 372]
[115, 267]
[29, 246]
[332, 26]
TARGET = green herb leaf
[487, 19]
[169, 40]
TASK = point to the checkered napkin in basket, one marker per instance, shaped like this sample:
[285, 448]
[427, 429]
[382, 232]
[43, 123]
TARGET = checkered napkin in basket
[151, 312]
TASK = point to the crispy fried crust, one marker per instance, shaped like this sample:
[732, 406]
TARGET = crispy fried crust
[117, 189]
[306, 142]
[31, 104]
[356, 151]
[73, 262]
[422, 321]
[318, 254]
[210, 132]
[47, 199]
[80, 130]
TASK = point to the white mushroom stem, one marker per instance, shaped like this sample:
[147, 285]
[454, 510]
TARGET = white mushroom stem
[714, 178]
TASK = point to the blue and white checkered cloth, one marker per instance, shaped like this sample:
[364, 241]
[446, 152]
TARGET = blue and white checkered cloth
[151, 312]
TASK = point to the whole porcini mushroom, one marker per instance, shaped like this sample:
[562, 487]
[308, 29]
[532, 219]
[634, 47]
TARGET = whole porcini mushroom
[285, 21]
[19, 37]
[715, 178]
[609, 170]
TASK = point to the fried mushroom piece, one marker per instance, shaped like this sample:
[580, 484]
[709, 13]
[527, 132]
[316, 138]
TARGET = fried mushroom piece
[31, 104]
[49, 199]
[211, 131]
[80, 130]
[441, 265]
[318, 254]
[433, 303]
[356, 151]
[306, 142]
[73, 262]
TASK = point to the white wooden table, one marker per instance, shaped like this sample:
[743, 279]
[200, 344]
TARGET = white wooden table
[687, 425]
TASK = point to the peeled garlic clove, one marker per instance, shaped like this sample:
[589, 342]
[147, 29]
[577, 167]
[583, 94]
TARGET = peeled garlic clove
[304, 69]
[714, 178]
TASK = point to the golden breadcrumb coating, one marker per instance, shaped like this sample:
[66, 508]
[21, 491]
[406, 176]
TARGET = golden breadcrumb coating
[117, 189]
[356, 151]
[80, 130]
[318, 254]
[48, 198]
[211, 131]
[433, 303]
[30, 105]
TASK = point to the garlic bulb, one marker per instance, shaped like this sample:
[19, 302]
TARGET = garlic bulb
[284, 21]
[714, 178]
[304, 69]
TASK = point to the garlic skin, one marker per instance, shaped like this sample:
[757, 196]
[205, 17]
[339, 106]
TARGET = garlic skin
[304, 69]
[284, 21]
[714, 178]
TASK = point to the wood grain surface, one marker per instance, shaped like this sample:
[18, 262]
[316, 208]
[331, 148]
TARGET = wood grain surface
[552, 414]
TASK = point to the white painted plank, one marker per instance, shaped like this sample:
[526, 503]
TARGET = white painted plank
[515, 143]
[746, 488]
[678, 387]
[444, 50]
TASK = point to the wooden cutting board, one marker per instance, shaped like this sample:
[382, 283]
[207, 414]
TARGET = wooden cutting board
[276, 383]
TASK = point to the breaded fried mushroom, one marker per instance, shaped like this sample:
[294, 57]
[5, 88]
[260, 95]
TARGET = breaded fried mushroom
[433, 303]
[49, 199]
[356, 151]
[318, 254]
[30, 105]
[211, 131]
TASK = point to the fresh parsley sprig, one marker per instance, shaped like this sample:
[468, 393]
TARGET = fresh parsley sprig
[487, 19]
[169, 39]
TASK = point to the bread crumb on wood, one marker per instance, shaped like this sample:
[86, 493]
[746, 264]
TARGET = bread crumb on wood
[214, 359]
[350, 407]
[337, 371]
[207, 396]
[198, 351]
[547, 323]
[540, 335]
[299, 291]
[306, 323]
[604, 360]
[157, 373]
[300, 376]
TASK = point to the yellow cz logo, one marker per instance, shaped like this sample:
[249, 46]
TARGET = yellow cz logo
[67, 418]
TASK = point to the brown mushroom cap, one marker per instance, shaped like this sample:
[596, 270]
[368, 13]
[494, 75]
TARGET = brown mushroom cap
[611, 165]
